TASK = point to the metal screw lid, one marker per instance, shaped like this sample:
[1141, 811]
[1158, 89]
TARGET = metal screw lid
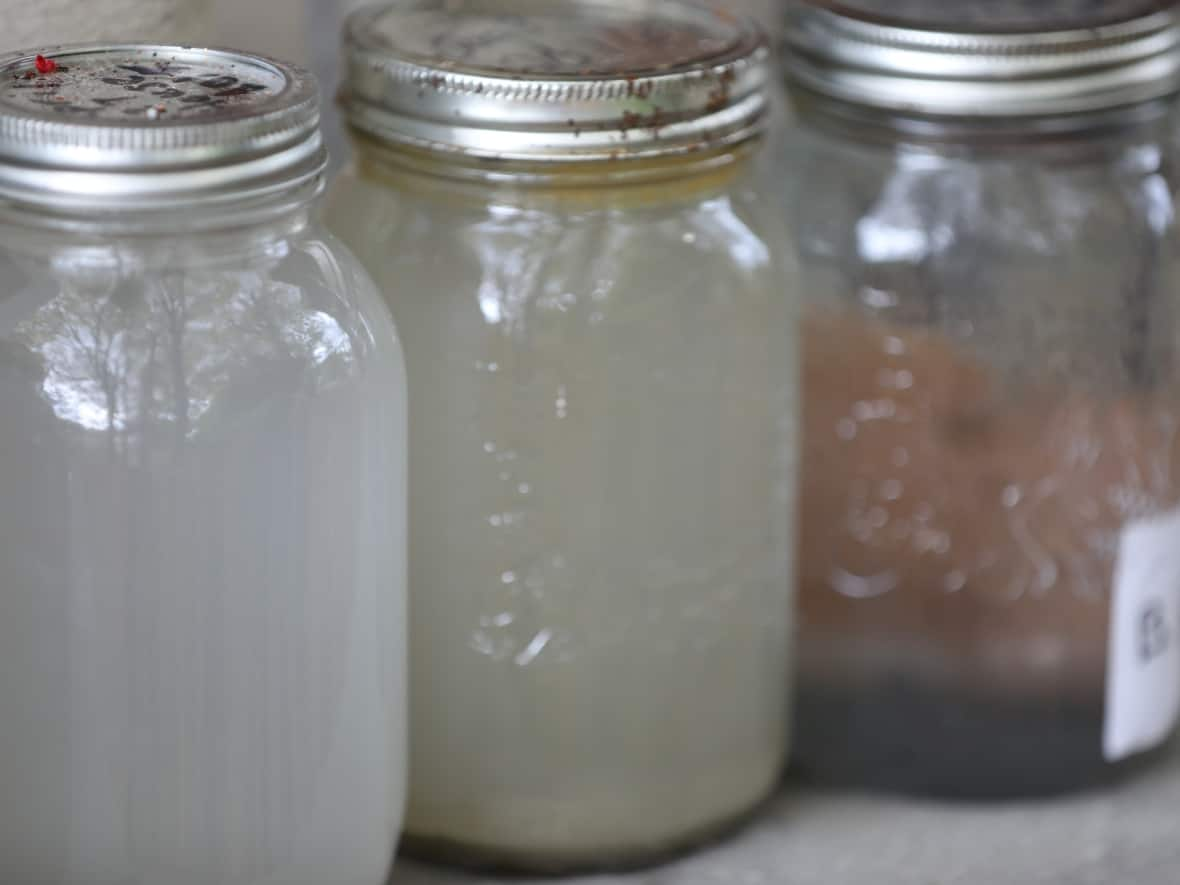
[997, 16]
[556, 80]
[152, 126]
[1019, 60]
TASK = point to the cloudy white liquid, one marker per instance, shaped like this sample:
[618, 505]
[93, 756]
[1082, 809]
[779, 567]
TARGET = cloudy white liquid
[201, 566]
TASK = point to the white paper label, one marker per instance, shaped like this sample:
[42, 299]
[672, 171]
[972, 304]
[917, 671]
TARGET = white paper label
[1143, 665]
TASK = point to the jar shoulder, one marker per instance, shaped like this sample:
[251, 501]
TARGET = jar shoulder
[729, 238]
[895, 201]
[137, 333]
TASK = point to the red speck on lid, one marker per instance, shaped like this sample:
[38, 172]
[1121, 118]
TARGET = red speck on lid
[45, 65]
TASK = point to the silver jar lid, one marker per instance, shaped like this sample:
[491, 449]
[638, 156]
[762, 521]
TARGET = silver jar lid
[141, 126]
[556, 80]
[1019, 60]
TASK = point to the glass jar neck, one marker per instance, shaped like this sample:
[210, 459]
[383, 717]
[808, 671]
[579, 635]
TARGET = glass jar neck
[1067, 138]
[245, 220]
[588, 183]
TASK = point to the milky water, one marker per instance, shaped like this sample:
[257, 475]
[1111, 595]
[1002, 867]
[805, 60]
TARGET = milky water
[602, 443]
[201, 564]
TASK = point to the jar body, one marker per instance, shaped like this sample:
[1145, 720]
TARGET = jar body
[601, 451]
[202, 622]
[991, 399]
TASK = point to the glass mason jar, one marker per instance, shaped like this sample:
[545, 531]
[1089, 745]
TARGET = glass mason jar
[990, 541]
[202, 445]
[557, 200]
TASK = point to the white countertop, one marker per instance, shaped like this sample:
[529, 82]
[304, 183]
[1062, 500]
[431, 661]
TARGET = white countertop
[1126, 835]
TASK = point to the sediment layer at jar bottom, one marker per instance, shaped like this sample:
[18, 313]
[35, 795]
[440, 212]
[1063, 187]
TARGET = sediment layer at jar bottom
[959, 533]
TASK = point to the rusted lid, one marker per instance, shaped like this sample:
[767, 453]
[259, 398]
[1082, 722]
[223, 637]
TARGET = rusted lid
[556, 79]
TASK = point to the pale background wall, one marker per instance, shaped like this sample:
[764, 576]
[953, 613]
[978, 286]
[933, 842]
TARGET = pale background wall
[295, 29]
[26, 24]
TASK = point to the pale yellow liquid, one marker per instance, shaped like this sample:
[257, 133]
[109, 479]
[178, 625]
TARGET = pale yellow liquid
[603, 386]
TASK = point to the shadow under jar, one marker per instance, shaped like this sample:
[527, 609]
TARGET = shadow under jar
[202, 471]
[990, 540]
[557, 200]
